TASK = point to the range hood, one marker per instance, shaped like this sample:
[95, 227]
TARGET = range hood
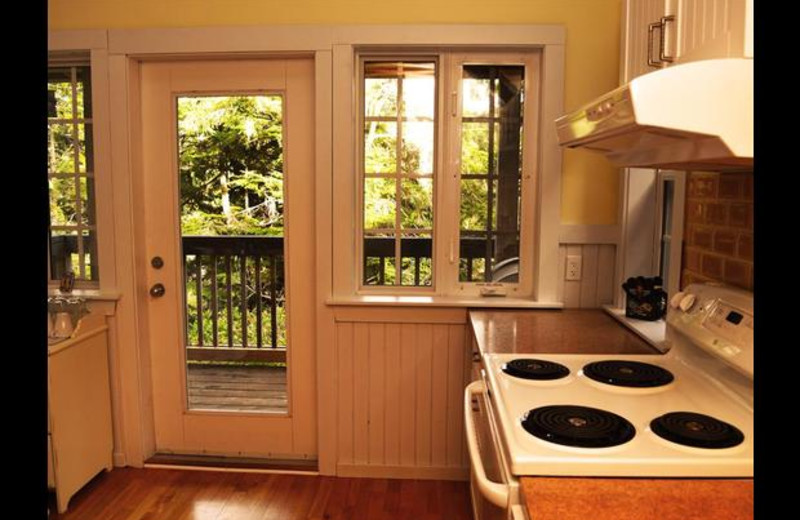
[693, 116]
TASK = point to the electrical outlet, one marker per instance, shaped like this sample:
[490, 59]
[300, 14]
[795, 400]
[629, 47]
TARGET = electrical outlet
[574, 267]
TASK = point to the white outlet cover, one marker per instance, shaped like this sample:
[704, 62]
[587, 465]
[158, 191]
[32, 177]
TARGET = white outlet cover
[574, 263]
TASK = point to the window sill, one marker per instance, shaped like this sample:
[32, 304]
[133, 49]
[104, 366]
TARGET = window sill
[99, 301]
[440, 301]
[88, 294]
[653, 332]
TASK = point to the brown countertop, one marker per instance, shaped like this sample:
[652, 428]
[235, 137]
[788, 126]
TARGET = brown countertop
[559, 498]
[568, 331]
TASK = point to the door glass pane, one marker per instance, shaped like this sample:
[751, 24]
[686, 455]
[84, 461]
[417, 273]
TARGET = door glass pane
[491, 153]
[232, 226]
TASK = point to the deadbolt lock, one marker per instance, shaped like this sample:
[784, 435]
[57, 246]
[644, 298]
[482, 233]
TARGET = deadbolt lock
[158, 290]
[157, 262]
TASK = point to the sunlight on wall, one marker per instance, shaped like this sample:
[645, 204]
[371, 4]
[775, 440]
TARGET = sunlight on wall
[590, 184]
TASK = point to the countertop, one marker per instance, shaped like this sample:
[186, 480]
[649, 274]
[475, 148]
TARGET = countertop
[560, 498]
[568, 331]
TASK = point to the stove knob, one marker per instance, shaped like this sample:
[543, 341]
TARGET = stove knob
[675, 301]
[687, 302]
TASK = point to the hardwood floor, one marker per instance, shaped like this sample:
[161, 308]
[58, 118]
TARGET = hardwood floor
[237, 388]
[161, 494]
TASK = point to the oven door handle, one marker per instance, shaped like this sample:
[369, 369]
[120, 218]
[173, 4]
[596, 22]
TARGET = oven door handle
[496, 493]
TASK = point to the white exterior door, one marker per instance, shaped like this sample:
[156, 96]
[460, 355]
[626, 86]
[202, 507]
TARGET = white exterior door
[215, 388]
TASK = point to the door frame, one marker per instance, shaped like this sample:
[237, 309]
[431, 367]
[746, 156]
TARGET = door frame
[225, 433]
[138, 427]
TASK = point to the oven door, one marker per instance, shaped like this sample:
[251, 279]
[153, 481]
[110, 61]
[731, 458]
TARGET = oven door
[495, 492]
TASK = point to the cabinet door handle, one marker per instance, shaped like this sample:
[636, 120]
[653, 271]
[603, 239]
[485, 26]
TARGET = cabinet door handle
[662, 54]
[651, 27]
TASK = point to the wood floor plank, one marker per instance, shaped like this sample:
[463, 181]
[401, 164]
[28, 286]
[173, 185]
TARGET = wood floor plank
[166, 494]
[237, 388]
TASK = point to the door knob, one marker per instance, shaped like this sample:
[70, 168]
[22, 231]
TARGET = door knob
[158, 290]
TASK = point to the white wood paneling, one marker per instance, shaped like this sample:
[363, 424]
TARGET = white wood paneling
[400, 391]
[596, 286]
[713, 29]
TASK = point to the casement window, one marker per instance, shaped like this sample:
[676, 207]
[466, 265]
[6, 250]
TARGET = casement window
[446, 154]
[71, 171]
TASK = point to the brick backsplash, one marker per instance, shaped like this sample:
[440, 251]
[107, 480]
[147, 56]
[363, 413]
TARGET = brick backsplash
[718, 233]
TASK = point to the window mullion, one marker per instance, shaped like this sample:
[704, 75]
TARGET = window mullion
[490, 180]
[397, 184]
[76, 150]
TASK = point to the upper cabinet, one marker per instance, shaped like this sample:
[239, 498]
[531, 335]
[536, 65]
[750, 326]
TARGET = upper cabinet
[660, 33]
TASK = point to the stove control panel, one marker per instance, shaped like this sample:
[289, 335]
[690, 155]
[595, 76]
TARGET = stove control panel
[720, 320]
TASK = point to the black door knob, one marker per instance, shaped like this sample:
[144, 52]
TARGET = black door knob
[158, 290]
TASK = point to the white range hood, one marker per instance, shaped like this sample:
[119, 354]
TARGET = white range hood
[693, 116]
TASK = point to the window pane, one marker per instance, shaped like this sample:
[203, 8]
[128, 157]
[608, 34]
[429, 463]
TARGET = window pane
[476, 96]
[90, 256]
[380, 97]
[63, 253]
[417, 148]
[475, 148]
[419, 94]
[60, 149]
[380, 147]
[63, 201]
[491, 148]
[474, 204]
[416, 263]
[416, 203]
[84, 92]
[379, 255]
[410, 87]
[379, 203]
[81, 147]
[87, 200]
[59, 91]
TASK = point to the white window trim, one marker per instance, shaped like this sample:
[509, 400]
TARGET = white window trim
[95, 41]
[346, 282]
[446, 234]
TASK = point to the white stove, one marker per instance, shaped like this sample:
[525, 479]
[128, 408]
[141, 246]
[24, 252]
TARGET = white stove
[688, 413]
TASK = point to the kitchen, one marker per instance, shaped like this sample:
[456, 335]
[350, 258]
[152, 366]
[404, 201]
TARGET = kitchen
[384, 369]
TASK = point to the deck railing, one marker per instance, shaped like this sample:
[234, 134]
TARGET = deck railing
[234, 291]
[473, 250]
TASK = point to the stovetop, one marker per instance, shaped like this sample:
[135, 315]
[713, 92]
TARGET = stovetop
[645, 454]
[688, 389]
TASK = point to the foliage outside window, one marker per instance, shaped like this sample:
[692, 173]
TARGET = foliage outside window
[483, 128]
[71, 173]
[230, 151]
[491, 158]
[398, 164]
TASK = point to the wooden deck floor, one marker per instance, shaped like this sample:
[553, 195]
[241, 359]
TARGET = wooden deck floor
[160, 494]
[237, 388]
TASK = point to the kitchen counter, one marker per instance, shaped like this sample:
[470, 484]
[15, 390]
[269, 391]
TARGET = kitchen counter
[568, 331]
[560, 498]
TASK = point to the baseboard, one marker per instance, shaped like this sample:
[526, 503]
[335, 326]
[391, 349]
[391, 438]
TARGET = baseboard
[165, 460]
[119, 460]
[402, 472]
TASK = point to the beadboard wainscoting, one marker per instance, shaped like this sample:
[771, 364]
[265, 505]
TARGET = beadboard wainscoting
[400, 379]
[596, 286]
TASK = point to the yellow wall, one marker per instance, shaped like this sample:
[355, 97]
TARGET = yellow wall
[589, 194]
